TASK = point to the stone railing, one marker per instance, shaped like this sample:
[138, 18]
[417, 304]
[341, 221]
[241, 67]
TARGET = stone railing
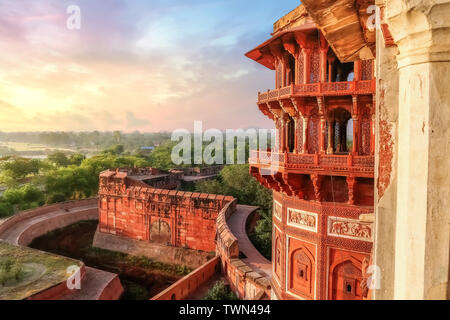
[319, 89]
[246, 282]
[316, 161]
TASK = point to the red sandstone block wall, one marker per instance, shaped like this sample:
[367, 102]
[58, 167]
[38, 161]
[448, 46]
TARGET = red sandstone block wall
[169, 217]
[190, 283]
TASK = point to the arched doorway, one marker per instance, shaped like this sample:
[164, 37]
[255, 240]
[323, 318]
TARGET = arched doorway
[291, 135]
[160, 232]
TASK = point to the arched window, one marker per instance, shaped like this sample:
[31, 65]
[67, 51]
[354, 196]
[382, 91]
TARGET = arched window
[337, 131]
[291, 135]
[292, 74]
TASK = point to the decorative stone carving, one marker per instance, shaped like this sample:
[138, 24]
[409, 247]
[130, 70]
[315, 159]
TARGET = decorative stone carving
[277, 210]
[302, 219]
[348, 228]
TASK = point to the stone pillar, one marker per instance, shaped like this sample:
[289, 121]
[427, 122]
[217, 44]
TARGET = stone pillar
[278, 142]
[283, 72]
[420, 263]
[296, 134]
[306, 65]
[386, 126]
[351, 190]
[372, 134]
[330, 69]
[356, 130]
[297, 79]
[322, 134]
[331, 124]
[323, 65]
[277, 78]
[287, 135]
[305, 133]
[357, 70]
[282, 135]
[343, 136]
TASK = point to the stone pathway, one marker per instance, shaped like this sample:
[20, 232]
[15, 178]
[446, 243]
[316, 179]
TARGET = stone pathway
[253, 258]
[13, 233]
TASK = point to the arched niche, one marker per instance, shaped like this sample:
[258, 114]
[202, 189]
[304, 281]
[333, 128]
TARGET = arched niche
[302, 272]
[160, 232]
[345, 279]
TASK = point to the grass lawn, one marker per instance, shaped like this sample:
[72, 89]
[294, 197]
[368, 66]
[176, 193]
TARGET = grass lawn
[25, 271]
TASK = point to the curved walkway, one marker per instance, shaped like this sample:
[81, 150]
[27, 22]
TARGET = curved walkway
[25, 230]
[254, 258]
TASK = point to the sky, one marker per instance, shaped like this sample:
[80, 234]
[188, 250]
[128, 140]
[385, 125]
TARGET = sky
[134, 65]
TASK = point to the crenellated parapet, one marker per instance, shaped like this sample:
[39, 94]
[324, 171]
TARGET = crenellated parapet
[130, 208]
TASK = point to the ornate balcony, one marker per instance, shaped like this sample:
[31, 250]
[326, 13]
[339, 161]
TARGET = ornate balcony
[322, 164]
[363, 87]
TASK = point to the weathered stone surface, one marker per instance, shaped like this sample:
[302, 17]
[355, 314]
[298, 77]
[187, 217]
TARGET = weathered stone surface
[343, 23]
[167, 254]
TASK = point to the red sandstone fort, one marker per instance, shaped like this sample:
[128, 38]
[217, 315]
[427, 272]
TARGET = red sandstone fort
[322, 174]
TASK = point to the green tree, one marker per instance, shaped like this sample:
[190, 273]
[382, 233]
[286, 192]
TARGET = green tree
[19, 168]
[6, 209]
[161, 157]
[236, 181]
[32, 194]
[220, 292]
[25, 197]
[72, 183]
[59, 159]
[118, 149]
[77, 159]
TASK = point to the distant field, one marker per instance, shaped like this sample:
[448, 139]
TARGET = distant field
[24, 147]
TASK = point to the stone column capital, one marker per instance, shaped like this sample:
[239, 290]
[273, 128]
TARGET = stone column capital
[420, 29]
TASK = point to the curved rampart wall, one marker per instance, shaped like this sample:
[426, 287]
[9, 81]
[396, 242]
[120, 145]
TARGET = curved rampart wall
[27, 225]
[247, 283]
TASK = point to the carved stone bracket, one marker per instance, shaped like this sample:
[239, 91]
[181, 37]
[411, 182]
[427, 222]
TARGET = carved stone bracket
[317, 184]
[351, 188]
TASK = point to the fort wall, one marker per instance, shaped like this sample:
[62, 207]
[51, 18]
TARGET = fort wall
[161, 216]
[244, 280]
[186, 286]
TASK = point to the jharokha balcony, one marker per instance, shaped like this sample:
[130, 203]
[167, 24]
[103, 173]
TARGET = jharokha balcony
[324, 113]
[348, 88]
[343, 165]
[311, 176]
